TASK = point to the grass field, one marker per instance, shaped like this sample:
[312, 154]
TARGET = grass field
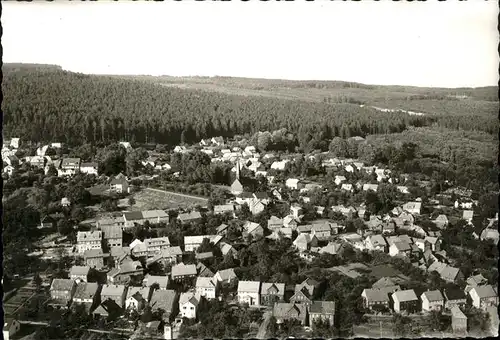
[150, 199]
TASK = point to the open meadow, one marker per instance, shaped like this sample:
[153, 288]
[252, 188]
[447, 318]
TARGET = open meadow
[151, 199]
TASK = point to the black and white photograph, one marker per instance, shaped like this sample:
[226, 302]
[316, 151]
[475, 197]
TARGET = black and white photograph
[250, 169]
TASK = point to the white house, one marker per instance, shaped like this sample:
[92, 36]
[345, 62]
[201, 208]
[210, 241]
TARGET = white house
[249, 292]
[376, 242]
[339, 179]
[293, 183]
[137, 297]
[349, 168]
[484, 296]
[404, 300]
[9, 170]
[279, 165]
[206, 287]
[89, 168]
[188, 305]
[432, 300]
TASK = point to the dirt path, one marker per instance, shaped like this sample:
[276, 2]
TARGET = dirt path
[261, 334]
[177, 194]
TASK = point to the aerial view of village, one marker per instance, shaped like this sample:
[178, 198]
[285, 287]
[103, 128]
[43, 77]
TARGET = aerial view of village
[161, 207]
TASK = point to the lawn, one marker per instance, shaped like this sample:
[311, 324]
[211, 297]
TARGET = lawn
[151, 199]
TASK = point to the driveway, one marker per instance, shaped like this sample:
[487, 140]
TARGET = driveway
[261, 334]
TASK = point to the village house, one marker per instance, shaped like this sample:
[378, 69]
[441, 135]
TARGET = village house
[79, 273]
[225, 276]
[69, 167]
[204, 256]
[156, 245]
[339, 179]
[274, 223]
[458, 320]
[117, 293]
[137, 298]
[191, 243]
[322, 230]
[400, 249]
[322, 310]
[151, 280]
[294, 184]
[139, 249]
[254, 229]
[165, 300]
[236, 187]
[203, 271]
[249, 292]
[222, 229]
[347, 187]
[474, 281]
[87, 240]
[112, 221]
[447, 272]
[468, 215]
[183, 271]
[405, 301]
[226, 248]
[279, 165]
[454, 297]
[304, 292]
[372, 187]
[484, 296]
[288, 311]
[62, 290]
[295, 210]
[9, 170]
[206, 287]
[434, 242]
[94, 258]
[375, 298]
[119, 185]
[223, 209]
[191, 217]
[376, 242]
[89, 168]
[132, 218]
[126, 272]
[112, 235]
[271, 293]
[188, 305]
[432, 300]
[86, 293]
[305, 242]
[256, 206]
[290, 221]
[167, 256]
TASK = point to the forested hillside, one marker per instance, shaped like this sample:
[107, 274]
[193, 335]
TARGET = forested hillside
[47, 104]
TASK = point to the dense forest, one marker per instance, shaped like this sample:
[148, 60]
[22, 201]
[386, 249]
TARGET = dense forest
[54, 105]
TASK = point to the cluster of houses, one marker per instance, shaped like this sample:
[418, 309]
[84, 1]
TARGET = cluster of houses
[386, 294]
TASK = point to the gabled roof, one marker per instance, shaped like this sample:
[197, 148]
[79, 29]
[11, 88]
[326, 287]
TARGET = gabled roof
[79, 270]
[249, 286]
[139, 293]
[93, 253]
[266, 287]
[227, 274]
[204, 282]
[457, 313]
[405, 295]
[188, 297]
[476, 280]
[322, 307]
[375, 295]
[86, 290]
[283, 310]
[432, 295]
[162, 281]
[62, 284]
[112, 231]
[112, 290]
[485, 291]
[182, 269]
[133, 215]
[454, 294]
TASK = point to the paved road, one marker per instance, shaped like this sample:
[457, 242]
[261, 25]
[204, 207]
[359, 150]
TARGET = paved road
[261, 334]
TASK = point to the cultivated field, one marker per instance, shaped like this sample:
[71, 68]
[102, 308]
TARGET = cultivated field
[150, 199]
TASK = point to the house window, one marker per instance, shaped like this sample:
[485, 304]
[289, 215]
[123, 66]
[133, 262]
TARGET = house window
[192, 308]
[184, 307]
